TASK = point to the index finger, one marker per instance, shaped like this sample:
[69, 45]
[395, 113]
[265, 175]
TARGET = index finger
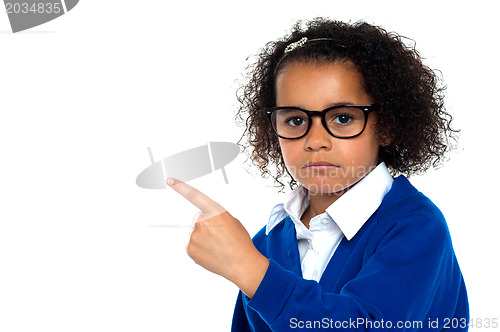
[196, 197]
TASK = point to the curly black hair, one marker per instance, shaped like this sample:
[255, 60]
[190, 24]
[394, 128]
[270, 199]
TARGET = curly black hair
[413, 126]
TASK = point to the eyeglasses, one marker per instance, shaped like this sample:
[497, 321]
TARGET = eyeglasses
[342, 121]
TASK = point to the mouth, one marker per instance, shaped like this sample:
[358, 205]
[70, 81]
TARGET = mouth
[319, 165]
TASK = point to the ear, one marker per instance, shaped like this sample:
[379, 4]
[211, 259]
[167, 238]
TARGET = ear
[385, 140]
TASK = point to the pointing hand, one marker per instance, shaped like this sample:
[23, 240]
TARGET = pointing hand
[220, 243]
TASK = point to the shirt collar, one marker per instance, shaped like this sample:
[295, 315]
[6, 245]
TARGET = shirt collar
[350, 211]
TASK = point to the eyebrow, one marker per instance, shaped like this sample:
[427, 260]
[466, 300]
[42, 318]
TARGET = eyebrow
[329, 105]
[341, 103]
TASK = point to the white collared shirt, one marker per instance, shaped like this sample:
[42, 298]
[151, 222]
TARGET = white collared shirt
[344, 217]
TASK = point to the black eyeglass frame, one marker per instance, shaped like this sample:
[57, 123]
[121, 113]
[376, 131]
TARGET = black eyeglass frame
[367, 109]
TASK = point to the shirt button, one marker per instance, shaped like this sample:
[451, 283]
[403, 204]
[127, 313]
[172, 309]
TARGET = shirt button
[325, 221]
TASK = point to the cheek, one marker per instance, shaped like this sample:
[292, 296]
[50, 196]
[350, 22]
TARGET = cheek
[361, 152]
[290, 152]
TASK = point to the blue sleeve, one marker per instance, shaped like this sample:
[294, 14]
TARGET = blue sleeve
[240, 322]
[409, 275]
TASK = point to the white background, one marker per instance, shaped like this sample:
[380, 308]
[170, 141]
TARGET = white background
[82, 248]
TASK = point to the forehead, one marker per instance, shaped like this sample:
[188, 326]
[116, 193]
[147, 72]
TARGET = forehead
[319, 84]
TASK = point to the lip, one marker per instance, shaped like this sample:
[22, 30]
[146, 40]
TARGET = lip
[319, 165]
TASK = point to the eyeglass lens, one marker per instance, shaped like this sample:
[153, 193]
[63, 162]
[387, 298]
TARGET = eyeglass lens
[341, 122]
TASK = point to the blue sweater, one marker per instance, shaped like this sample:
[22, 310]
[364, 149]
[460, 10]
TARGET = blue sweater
[399, 272]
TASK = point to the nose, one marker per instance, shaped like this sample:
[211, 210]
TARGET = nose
[318, 138]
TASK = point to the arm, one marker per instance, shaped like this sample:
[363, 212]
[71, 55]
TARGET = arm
[408, 275]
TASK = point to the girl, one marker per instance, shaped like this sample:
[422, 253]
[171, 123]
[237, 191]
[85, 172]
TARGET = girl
[341, 109]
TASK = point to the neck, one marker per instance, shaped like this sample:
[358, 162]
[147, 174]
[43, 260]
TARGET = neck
[318, 205]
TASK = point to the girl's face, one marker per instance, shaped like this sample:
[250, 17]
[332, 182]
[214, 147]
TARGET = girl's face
[318, 161]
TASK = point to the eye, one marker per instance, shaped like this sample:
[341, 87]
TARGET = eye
[343, 119]
[295, 121]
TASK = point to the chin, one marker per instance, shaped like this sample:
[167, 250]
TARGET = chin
[324, 187]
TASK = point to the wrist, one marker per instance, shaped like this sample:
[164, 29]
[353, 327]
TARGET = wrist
[251, 273]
